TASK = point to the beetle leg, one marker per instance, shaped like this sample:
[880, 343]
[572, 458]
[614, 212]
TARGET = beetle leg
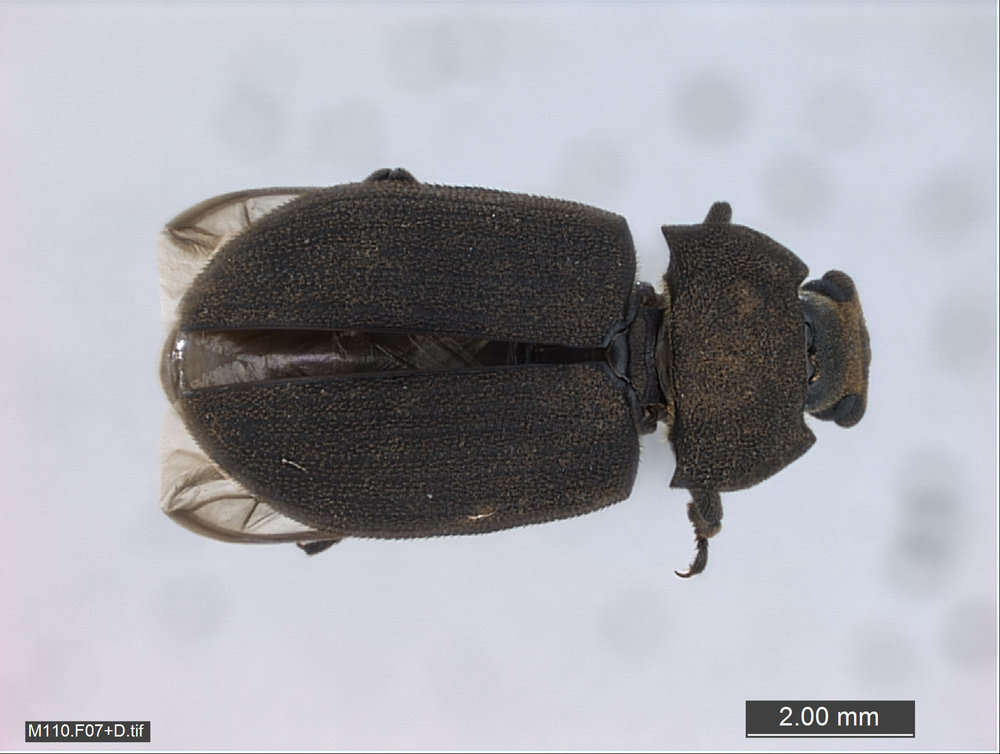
[392, 174]
[719, 213]
[313, 548]
[705, 513]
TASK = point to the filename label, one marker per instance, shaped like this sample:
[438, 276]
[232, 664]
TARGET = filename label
[86, 731]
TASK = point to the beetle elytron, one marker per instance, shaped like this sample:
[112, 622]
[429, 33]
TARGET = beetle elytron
[396, 359]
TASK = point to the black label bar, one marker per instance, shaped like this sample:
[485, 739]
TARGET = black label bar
[86, 731]
[827, 719]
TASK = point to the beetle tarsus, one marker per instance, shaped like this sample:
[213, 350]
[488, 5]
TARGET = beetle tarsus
[700, 559]
[705, 514]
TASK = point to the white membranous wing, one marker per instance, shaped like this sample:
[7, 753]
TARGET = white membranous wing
[194, 491]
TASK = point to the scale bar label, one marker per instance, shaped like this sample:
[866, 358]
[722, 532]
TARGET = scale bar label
[880, 718]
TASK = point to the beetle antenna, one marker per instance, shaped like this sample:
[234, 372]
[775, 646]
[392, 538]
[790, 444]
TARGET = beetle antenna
[705, 514]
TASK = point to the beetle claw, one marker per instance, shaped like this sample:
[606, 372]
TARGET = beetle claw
[700, 559]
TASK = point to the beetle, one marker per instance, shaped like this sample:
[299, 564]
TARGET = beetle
[393, 359]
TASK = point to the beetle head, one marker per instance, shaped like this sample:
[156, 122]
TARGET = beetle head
[838, 349]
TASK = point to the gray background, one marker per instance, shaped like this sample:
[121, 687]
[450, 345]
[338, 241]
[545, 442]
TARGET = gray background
[860, 136]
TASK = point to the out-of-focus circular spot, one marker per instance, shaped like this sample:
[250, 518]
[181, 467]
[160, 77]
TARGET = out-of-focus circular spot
[949, 202]
[882, 655]
[249, 121]
[964, 46]
[633, 624]
[350, 134]
[925, 543]
[963, 334]
[838, 115]
[968, 634]
[190, 610]
[925, 546]
[440, 52]
[593, 167]
[797, 187]
[709, 107]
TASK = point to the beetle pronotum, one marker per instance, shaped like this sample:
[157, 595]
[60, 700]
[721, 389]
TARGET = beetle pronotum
[396, 359]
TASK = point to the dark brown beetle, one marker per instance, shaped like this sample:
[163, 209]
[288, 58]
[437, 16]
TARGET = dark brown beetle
[396, 359]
